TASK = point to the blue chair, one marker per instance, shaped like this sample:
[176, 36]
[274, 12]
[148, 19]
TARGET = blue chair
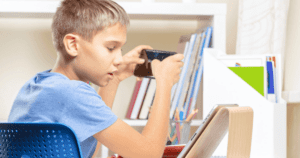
[38, 140]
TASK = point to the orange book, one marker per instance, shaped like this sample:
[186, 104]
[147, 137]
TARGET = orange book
[172, 151]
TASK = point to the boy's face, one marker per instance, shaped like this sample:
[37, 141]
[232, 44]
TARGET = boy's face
[98, 60]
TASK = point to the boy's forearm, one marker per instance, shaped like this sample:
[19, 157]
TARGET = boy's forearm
[158, 123]
[108, 92]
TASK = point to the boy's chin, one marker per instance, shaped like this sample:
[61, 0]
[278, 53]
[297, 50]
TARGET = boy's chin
[103, 83]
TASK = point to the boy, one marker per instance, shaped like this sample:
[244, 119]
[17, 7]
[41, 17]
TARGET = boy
[88, 36]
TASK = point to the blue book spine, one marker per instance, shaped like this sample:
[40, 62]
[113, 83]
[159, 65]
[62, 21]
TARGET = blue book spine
[198, 77]
[270, 78]
[173, 92]
[189, 97]
[182, 76]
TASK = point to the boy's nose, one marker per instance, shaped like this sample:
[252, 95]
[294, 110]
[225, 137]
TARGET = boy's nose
[119, 59]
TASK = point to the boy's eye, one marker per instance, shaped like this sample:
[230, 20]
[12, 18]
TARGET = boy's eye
[111, 48]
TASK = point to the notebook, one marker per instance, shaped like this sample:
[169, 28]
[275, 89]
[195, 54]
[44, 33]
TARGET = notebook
[187, 149]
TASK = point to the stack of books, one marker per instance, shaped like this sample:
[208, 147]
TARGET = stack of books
[184, 92]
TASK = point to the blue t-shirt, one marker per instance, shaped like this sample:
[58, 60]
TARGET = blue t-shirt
[52, 97]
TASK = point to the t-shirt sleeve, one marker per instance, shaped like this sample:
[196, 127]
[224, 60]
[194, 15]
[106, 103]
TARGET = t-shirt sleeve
[86, 113]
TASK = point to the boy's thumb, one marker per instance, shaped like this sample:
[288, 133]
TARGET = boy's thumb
[153, 65]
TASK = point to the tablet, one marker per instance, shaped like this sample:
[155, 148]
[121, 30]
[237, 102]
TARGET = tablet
[201, 128]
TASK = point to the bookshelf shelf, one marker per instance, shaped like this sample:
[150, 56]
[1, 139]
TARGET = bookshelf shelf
[205, 14]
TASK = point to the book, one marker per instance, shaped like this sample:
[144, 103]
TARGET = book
[206, 44]
[270, 80]
[191, 101]
[189, 74]
[277, 96]
[133, 98]
[150, 106]
[174, 88]
[172, 151]
[146, 92]
[193, 78]
[182, 43]
[140, 98]
[182, 75]
[148, 99]
[182, 46]
[198, 80]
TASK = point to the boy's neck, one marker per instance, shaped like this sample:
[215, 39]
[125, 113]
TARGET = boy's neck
[65, 69]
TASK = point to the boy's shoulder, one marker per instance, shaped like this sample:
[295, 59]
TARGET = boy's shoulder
[54, 79]
[58, 83]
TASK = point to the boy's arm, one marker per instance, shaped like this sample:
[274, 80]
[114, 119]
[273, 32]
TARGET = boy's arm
[126, 141]
[108, 92]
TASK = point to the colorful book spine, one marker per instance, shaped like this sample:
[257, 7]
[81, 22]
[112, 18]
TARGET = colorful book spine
[151, 106]
[182, 48]
[193, 81]
[140, 98]
[174, 89]
[270, 79]
[191, 66]
[182, 75]
[192, 105]
[148, 99]
[275, 80]
[133, 98]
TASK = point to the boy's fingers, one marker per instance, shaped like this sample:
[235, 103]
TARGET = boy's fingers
[137, 50]
[133, 60]
[178, 57]
[139, 79]
[154, 62]
[141, 47]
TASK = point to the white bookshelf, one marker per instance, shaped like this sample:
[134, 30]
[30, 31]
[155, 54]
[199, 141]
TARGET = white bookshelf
[213, 14]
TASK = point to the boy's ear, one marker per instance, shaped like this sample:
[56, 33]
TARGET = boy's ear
[71, 44]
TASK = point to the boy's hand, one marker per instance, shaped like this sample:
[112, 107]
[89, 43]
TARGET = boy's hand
[130, 59]
[168, 70]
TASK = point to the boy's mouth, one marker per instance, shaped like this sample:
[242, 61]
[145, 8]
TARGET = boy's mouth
[112, 73]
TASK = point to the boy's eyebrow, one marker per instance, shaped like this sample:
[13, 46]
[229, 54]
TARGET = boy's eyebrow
[116, 42]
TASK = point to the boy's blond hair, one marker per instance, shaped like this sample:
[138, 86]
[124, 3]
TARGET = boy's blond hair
[86, 18]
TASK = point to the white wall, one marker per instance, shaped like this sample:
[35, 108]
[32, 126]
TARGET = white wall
[26, 48]
[292, 64]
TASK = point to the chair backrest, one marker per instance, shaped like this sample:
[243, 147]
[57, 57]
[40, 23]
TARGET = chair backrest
[38, 140]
